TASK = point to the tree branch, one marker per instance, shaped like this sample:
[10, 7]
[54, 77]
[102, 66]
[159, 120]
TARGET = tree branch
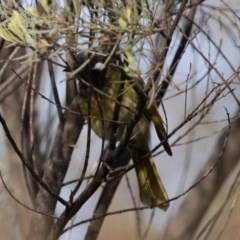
[199, 199]
[54, 171]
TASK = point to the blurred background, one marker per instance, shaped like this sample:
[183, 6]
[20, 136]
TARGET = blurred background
[200, 109]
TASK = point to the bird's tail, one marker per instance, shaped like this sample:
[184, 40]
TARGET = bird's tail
[153, 115]
[151, 188]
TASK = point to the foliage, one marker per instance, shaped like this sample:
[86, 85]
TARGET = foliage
[177, 47]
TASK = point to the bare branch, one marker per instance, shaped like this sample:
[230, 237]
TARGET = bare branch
[194, 202]
[54, 171]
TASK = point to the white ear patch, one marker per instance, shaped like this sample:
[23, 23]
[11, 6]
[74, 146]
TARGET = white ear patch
[99, 66]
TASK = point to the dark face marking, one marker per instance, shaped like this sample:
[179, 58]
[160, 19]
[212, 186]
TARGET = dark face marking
[92, 73]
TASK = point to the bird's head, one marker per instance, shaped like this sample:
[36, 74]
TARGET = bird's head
[93, 73]
[96, 72]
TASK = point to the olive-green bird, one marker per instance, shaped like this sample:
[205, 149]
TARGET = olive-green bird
[99, 85]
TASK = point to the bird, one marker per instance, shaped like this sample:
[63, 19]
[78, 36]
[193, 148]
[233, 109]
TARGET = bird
[106, 83]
